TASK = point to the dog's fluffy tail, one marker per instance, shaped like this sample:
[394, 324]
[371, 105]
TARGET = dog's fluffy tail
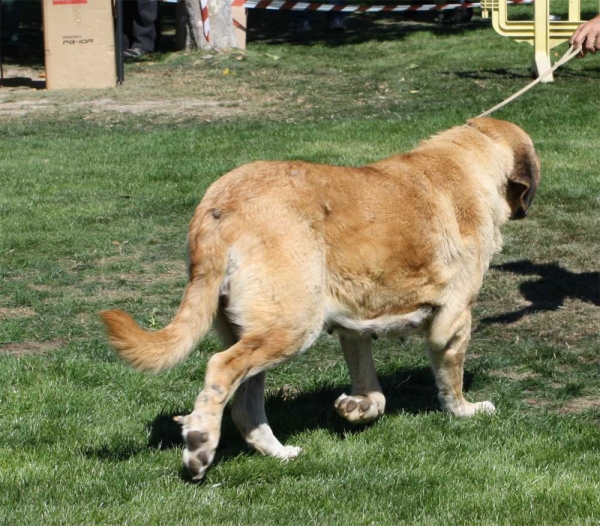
[160, 350]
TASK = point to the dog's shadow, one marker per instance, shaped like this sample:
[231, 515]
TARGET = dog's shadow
[407, 391]
[549, 290]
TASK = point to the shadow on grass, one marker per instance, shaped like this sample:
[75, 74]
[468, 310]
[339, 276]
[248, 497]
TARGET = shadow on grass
[410, 391]
[525, 73]
[23, 82]
[271, 28]
[486, 74]
[550, 289]
[407, 391]
[121, 452]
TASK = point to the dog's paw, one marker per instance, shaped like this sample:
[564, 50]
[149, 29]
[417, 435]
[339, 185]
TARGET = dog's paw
[468, 409]
[199, 452]
[288, 453]
[357, 409]
[484, 407]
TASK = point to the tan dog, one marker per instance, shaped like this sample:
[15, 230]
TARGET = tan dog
[280, 250]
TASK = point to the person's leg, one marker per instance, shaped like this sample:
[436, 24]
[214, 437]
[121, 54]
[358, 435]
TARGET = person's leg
[11, 15]
[144, 28]
[299, 22]
[337, 19]
[460, 15]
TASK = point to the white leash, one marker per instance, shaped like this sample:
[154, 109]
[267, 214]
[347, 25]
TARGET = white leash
[563, 60]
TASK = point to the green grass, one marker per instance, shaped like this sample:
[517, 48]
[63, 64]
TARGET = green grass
[94, 206]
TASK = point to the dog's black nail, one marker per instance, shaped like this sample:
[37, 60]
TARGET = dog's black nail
[196, 438]
[351, 405]
[203, 457]
[194, 466]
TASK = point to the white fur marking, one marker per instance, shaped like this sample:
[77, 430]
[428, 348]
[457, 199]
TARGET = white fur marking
[384, 325]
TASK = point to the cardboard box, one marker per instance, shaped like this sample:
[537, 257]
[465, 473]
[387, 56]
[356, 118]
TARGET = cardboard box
[240, 23]
[79, 44]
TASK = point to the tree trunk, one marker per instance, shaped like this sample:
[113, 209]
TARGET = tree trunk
[190, 33]
[189, 21]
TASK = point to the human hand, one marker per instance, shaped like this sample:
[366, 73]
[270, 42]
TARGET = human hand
[587, 35]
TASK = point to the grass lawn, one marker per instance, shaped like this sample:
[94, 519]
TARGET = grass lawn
[96, 191]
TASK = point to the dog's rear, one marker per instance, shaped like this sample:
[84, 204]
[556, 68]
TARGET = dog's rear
[258, 267]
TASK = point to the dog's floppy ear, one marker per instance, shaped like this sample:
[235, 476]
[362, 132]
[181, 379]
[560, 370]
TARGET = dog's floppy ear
[523, 181]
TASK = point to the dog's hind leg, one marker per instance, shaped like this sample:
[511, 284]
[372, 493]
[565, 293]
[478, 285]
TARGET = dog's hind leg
[248, 413]
[366, 401]
[248, 410]
[275, 298]
[224, 373]
[447, 342]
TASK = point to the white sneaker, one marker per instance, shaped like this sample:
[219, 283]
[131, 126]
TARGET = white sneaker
[299, 27]
[338, 24]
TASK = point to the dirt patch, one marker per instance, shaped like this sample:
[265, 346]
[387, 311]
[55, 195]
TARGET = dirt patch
[579, 405]
[118, 294]
[173, 107]
[41, 288]
[535, 402]
[8, 313]
[101, 108]
[24, 107]
[148, 273]
[564, 326]
[513, 374]
[181, 87]
[287, 392]
[573, 406]
[26, 348]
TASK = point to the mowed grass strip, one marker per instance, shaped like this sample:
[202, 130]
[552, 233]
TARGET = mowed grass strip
[94, 207]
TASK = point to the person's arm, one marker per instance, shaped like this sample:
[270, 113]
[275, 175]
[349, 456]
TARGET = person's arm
[588, 36]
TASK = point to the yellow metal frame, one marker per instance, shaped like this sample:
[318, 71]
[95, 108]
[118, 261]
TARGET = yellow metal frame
[541, 32]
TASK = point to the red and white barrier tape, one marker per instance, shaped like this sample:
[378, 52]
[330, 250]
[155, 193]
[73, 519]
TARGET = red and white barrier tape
[284, 5]
[205, 19]
[345, 8]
